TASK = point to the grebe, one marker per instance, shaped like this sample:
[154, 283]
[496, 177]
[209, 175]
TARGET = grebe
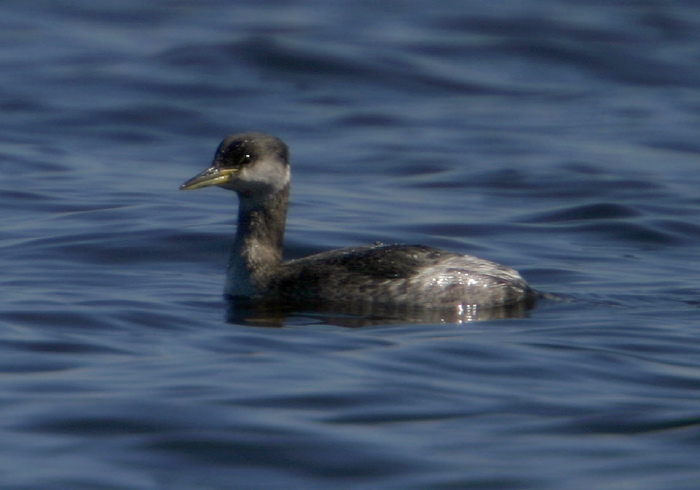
[256, 167]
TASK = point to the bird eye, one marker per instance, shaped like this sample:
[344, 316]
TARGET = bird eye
[246, 158]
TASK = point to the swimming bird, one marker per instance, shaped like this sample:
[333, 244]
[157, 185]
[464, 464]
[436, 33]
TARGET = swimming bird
[256, 167]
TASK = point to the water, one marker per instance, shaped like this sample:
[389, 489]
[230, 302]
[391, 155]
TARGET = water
[557, 137]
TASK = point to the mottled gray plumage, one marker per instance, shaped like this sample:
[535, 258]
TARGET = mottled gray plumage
[256, 166]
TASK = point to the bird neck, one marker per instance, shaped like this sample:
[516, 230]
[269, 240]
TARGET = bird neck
[257, 248]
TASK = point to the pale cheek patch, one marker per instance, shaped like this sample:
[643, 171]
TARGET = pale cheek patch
[267, 175]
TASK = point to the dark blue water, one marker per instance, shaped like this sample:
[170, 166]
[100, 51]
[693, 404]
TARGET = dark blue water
[558, 137]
